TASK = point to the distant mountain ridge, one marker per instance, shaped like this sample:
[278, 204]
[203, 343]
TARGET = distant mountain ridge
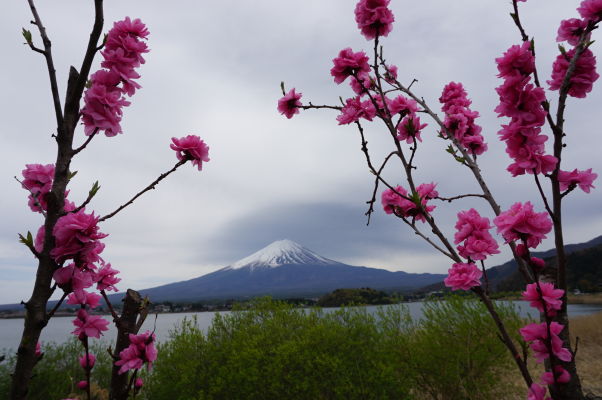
[285, 269]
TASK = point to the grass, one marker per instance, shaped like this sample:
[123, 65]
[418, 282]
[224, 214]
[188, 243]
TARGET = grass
[589, 352]
[586, 298]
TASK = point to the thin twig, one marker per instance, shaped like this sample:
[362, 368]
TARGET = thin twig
[56, 307]
[146, 189]
[110, 306]
[543, 195]
[83, 146]
[376, 180]
[49, 63]
[450, 199]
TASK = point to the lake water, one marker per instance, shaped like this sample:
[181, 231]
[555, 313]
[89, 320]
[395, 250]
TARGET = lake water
[59, 328]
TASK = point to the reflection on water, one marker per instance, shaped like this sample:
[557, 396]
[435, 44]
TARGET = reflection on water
[59, 328]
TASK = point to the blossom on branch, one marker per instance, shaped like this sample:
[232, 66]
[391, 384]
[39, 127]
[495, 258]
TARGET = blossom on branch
[406, 206]
[87, 362]
[550, 297]
[354, 109]
[289, 104]
[591, 10]
[106, 278]
[463, 276]
[537, 334]
[460, 120]
[473, 233]
[348, 64]
[570, 30]
[89, 325]
[521, 222]
[191, 147]
[77, 237]
[583, 77]
[374, 18]
[141, 350]
[38, 181]
[583, 179]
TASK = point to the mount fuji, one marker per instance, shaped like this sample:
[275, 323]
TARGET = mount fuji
[285, 269]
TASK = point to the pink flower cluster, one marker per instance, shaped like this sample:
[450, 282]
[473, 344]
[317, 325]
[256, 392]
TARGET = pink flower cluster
[583, 179]
[463, 276]
[354, 109]
[348, 64]
[410, 127]
[591, 10]
[87, 325]
[549, 300]
[570, 30]
[473, 233]
[522, 102]
[38, 181]
[583, 77]
[521, 222]
[77, 237]
[141, 350]
[104, 100]
[460, 120]
[191, 147]
[406, 208]
[289, 104]
[537, 335]
[374, 18]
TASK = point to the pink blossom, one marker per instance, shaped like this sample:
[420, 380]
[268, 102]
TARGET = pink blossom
[82, 297]
[38, 351]
[191, 147]
[463, 276]
[550, 296]
[349, 63]
[517, 60]
[460, 120]
[87, 362]
[537, 392]
[89, 325]
[583, 179]
[103, 103]
[521, 222]
[362, 83]
[106, 278]
[390, 74]
[537, 334]
[138, 383]
[394, 203]
[571, 30]
[374, 18]
[82, 385]
[591, 10]
[409, 129]
[141, 350]
[401, 104]
[522, 101]
[454, 95]
[77, 237]
[354, 109]
[70, 278]
[289, 104]
[473, 231]
[123, 51]
[469, 222]
[562, 376]
[582, 79]
[38, 181]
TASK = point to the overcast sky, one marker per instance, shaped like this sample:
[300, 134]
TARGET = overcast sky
[214, 70]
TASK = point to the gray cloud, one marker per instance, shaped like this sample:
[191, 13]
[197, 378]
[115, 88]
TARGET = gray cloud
[215, 70]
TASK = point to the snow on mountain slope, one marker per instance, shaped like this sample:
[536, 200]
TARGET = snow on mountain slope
[279, 253]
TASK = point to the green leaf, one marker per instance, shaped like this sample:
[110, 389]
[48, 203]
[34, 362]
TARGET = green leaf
[282, 88]
[94, 189]
[28, 241]
[71, 175]
[27, 35]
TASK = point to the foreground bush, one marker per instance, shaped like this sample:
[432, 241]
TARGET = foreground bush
[272, 351]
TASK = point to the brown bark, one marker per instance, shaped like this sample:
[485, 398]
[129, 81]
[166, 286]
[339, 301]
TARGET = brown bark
[133, 306]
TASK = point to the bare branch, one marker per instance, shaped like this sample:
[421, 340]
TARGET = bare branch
[146, 189]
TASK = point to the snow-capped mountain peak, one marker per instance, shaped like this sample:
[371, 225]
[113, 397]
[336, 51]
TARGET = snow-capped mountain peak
[279, 253]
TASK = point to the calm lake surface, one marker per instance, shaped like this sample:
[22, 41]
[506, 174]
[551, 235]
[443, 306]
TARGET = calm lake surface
[59, 328]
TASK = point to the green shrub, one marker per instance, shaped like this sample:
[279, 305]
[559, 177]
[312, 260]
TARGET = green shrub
[55, 376]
